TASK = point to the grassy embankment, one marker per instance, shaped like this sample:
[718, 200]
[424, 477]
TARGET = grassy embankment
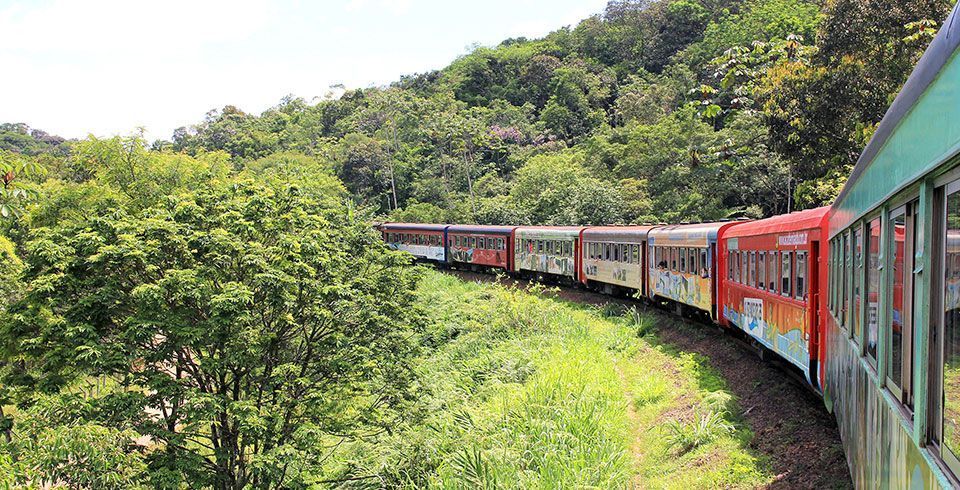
[528, 391]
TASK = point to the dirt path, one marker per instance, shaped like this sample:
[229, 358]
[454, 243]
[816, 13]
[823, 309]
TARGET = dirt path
[790, 423]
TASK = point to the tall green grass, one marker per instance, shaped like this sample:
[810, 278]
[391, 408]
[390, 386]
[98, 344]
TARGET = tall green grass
[524, 391]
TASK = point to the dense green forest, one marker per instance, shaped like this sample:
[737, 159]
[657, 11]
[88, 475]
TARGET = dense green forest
[214, 309]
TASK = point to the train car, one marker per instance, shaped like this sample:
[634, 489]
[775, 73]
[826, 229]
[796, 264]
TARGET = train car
[892, 374]
[774, 268]
[682, 265]
[423, 241]
[613, 257]
[480, 246]
[548, 251]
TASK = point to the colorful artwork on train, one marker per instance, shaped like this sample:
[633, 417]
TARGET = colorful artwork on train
[686, 288]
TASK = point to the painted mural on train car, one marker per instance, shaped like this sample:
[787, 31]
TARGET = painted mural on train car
[548, 263]
[428, 252]
[780, 328]
[683, 287]
[620, 274]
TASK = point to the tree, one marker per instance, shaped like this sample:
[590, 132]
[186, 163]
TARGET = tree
[246, 329]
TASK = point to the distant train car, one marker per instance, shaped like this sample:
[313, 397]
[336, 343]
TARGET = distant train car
[423, 241]
[614, 257]
[481, 246]
[547, 251]
[682, 264]
[773, 274]
[892, 374]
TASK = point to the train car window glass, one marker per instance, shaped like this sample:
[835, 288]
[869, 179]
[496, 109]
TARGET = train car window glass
[568, 248]
[845, 278]
[856, 275]
[736, 267]
[636, 254]
[745, 268]
[873, 287]
[502, 243]
[901, 324]
[950, 381]
[786, 268]
[748, 266]
[481, 242]
[730, 266]
[704, 265]
[753, 269]
[683, 259]
[590, 250]
[616, 252]
[762, 270]
[692, 260]
[772, 262]
[801, 292]
[673, 258]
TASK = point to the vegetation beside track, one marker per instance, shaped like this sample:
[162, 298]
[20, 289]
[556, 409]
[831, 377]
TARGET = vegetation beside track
[529, 391]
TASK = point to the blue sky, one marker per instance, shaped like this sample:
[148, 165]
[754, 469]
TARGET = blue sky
[109, 66]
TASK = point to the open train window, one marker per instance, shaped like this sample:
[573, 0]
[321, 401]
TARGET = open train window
[786, 268]
[736, 267]
[673, 258]
[772, 263]
[745, 268]
[762, 270]
[568, 248]
[874, 252]
[801, 292]
[753, 269]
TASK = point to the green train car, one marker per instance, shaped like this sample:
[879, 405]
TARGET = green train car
[893, 333]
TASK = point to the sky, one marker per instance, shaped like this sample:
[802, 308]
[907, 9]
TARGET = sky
[107, 67]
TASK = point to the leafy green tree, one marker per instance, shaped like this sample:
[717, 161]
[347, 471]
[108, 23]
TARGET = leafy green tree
[247, 330]
[14, 193]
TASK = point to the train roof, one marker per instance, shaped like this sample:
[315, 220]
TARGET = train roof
[918, 133]
[800, 220]
[694, 235]
[617, 233]
[500, 230]
[413, 226]
[548, 231]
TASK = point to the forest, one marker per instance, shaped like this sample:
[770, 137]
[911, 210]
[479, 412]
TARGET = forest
[215, 310]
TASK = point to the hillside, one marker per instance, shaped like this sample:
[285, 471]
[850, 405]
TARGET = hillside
[649, 111]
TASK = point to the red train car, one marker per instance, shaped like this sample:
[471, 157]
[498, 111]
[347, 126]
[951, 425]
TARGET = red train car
[773, 269]
[481, 246]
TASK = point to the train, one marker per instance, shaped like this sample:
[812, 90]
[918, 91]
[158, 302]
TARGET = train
[862, 297]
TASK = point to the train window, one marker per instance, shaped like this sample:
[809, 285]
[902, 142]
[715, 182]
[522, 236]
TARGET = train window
[692, 260]
[736, 267]
[786, 267]
[873, 287]
[772, 263]
[845, 274]
[704, 264]
[747, 268]
[636, 254]
[753, 269]
[568, 248]
[481, 242]
[801, 292]
[949, 341]
[730, 266]
[683, 259]
[899, 355]
[762, 270]
[855, 273]
[501, 244]
[616, 252]
[673, 258]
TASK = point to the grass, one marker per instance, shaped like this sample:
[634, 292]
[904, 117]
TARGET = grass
[525, 391]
